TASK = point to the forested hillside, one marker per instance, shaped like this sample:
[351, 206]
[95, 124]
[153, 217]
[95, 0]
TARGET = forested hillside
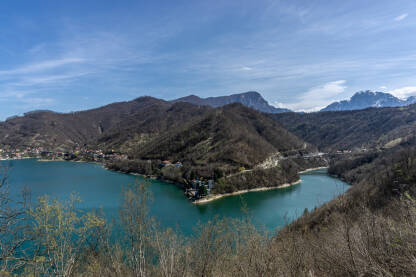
[65, 131]
[369, 128]
[232, 134]
[210, 143]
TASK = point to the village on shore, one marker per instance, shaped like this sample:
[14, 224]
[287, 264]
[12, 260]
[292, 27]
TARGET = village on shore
[79, 153]
[200, 187]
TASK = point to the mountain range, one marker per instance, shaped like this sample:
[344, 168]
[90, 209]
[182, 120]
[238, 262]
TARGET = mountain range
[146, 125]
[250, 99]
[367, 99]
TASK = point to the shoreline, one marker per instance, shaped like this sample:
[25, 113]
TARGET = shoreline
[16, 159]
[312, 169]
[202, 200]
[218, 196]
[63, 160]
[47, 160]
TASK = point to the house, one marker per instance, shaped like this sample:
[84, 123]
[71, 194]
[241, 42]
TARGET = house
[165, 163]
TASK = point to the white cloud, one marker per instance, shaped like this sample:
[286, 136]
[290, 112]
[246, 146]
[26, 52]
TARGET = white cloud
[403, 92]
[49, 79]
[401, 17]
[41, 66]
[318, 97]
[279, 105]
[63, 64]
[246, 68]
[383, 87]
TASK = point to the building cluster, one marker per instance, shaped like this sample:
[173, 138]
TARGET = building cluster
[199, 189]
[168, 163]
[20, 153]
[76, 154]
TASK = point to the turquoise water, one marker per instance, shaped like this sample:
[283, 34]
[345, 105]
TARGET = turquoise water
[100, 188]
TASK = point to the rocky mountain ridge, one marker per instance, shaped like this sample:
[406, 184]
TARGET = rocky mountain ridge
[367, 99]
[250, 99]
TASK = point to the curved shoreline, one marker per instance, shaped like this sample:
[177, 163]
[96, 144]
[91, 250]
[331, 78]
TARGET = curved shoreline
[218, 196]
[212, 197]
[312, 169]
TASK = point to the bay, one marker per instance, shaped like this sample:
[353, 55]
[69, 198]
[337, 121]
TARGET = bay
[101, 188]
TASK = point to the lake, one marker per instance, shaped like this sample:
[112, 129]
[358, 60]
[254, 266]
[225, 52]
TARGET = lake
[101, 188]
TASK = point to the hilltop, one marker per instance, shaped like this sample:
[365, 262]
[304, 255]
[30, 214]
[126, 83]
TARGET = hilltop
[65, 131]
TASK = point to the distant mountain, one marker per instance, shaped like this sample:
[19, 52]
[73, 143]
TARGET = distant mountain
[250, 99]
[367, 99]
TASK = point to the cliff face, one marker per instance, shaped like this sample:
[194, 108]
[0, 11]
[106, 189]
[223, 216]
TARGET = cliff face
[250, 99]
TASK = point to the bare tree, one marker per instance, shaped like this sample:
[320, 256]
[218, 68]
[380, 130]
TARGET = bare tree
[13, 226]
[137, 225]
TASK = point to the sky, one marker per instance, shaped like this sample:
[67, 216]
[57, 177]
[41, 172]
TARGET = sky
[75, 55]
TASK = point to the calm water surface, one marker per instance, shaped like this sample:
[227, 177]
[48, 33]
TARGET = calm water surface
[100, 188]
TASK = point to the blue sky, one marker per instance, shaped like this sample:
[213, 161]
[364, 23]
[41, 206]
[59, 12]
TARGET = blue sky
[74, 55]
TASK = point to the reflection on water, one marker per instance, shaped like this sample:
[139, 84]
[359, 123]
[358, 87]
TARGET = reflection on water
[100, 188]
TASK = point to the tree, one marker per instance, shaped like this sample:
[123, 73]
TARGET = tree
[13, 227]
[60, 232]
[137, 225]
[202, 190]
[218, 173]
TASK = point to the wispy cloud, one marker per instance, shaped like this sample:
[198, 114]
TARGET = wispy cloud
[41, 66]
[290, 51]
[317, 97]
[401, 17]
[28, 83]
[70, 62]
